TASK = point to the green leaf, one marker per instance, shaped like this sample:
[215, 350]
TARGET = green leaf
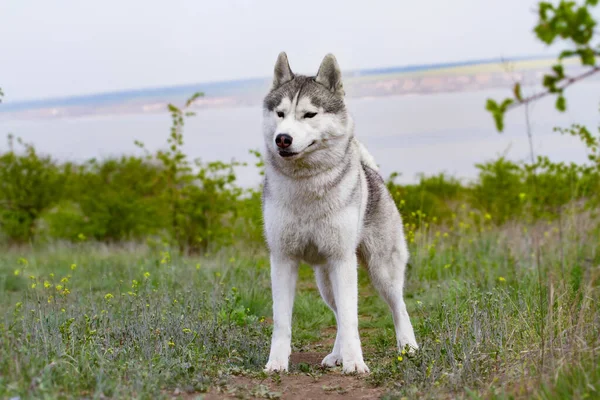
[561, 103]
[517, 92]
[491, 106]
[543, 10]
[559, 70]
[588, 57]
[498, 111]
[193, 98]
[566, 53]
[550, 83]
[505, 104]
[545, 33]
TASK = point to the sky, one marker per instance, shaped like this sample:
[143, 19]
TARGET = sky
[70, 47]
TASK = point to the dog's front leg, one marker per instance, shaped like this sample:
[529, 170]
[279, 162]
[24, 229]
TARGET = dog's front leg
[344, 282]
[284, 273]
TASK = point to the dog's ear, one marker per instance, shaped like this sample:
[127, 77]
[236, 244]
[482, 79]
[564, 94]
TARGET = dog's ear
[283, 73]
[329, 75]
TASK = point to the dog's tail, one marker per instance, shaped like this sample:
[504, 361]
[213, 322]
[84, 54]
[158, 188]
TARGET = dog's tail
[366, 157]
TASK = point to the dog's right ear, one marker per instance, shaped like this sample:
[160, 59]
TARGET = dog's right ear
[283, 73]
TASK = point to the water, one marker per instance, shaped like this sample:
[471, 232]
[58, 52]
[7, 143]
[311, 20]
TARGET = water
[408, 134]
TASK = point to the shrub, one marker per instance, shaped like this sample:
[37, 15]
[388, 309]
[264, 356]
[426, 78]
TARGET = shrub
[29, 185]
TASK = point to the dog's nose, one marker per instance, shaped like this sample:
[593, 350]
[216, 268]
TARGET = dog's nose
[283, 140]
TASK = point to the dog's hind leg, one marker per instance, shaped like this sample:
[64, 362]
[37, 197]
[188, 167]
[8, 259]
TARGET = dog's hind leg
[324, 284]
[387, 275]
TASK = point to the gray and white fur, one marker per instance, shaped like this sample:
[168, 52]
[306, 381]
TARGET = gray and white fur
[325, 203]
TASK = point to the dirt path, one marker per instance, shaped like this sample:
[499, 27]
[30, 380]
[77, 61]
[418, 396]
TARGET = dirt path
[302, 386]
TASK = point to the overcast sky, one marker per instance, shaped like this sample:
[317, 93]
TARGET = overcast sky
[67, 47]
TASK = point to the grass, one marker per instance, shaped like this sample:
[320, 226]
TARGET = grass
[500, 312]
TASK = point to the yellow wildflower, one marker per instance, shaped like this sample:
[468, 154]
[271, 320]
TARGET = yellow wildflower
[47, 284]
[108, 296]
[501, 279]
[17, 272]
[73, 266]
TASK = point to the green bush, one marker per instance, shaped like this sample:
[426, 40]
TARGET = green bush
[434, 197]
[189, 205]
[500, 189]
[117, 199]
[29, 185]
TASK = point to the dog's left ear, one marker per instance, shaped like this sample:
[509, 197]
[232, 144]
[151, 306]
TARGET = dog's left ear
[329, 75]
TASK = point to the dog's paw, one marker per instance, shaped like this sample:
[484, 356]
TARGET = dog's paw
[409, 348]
[276, 366]
[331, 360]
[355, 366]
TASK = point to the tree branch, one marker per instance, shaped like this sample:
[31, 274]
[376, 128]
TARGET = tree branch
[568, 82]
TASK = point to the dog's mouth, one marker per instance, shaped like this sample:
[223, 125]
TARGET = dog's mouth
[285, 153]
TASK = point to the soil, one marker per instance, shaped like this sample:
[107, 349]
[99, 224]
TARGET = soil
[325, 384]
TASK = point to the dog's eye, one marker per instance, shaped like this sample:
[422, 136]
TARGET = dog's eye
[280, 114]
[309, 115]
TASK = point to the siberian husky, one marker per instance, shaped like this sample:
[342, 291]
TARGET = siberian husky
[325, 203]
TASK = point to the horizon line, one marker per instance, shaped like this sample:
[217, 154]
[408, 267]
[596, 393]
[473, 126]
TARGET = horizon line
[224, 84]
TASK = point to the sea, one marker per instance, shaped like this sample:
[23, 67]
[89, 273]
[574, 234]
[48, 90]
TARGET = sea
[409, 134]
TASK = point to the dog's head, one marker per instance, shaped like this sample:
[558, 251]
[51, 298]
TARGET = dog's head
[305, 118]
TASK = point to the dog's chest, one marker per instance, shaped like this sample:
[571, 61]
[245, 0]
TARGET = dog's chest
[308, 239]
[310, 229]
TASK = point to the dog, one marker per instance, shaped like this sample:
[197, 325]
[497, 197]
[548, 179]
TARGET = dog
[325, 203]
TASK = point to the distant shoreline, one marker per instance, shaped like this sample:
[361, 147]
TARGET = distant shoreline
[419, 79]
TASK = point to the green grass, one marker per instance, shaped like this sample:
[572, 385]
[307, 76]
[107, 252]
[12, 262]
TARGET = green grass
[500, 312]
